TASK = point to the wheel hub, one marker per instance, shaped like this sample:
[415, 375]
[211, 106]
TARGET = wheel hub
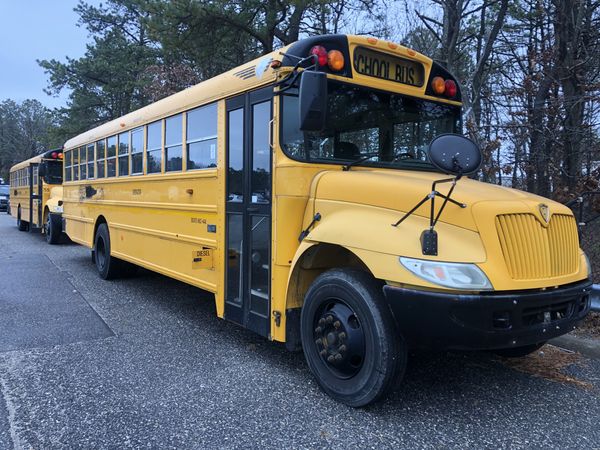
[339, 339]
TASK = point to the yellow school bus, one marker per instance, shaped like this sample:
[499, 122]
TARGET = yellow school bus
[36, 194]
[300, 189]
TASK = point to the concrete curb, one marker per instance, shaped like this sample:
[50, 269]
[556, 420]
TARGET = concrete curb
[586, 346]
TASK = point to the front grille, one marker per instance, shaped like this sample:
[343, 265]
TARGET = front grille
[532, 251]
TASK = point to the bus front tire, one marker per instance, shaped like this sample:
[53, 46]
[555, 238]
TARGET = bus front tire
[350, 340]
[53, 229]
[21, 224]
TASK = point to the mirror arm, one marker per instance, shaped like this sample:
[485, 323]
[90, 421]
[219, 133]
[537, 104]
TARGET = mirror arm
[294, 72]
[432, 221]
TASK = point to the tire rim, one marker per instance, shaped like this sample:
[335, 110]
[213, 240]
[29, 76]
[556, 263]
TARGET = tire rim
[339, 338]
[100, 253]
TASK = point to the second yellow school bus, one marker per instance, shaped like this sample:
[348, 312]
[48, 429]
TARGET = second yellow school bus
[36, 194]
[283, 187]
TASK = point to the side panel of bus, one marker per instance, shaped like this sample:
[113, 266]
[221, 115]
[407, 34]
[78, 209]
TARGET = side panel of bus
[170, 222]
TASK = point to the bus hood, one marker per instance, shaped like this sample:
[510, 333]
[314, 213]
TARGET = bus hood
[402, 190]
[520, 240]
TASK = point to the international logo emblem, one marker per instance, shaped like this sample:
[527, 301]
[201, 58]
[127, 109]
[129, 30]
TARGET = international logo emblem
[544, 212]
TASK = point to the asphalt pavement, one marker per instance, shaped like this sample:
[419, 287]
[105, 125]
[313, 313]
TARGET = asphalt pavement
[145, 363]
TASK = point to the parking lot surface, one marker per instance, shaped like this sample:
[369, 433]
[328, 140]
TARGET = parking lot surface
[145, 363]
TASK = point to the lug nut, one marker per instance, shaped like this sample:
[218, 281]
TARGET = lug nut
[343, 348]
[319, 341]
[321, 321]
[318, 330]
[342, 335]
[329, 319]
[323, 352]
[338, 357]
[330, 358]
[337, 324]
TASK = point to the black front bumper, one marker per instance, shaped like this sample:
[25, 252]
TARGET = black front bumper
[488, 320]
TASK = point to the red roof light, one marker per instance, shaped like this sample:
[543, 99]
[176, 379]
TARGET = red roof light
[451, 89]
[320, 53]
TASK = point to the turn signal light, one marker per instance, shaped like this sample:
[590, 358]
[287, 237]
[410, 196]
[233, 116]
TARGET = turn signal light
[60, 156]
[321, 54]
[438, 84]
[335, 60]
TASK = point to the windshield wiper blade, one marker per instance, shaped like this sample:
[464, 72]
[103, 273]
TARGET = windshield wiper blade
[359, 160]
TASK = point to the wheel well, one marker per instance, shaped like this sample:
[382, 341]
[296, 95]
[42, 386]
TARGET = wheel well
[99, 221]
[313, 262]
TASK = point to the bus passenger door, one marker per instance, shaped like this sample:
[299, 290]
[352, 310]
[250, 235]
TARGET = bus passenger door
[248, 210]
[35, 197]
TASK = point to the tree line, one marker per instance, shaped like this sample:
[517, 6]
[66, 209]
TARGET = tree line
[529, 70]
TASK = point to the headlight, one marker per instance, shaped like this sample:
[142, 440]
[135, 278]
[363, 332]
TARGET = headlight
[453, 275]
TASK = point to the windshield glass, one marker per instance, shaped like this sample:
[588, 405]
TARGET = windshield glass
[53, 172]
[360, 121]
[4, 190]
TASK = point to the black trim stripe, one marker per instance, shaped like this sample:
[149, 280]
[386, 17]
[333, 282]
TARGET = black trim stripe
[245, 73]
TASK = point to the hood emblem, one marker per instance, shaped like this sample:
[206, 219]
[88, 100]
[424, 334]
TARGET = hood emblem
[544, 212]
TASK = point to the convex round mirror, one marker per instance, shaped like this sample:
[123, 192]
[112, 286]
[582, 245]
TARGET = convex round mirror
[455, 154]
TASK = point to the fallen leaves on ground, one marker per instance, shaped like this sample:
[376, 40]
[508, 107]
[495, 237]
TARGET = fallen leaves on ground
[549, 363]
[590, 327]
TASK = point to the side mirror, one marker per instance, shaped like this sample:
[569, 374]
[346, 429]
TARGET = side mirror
[455, 154]
[313, 100]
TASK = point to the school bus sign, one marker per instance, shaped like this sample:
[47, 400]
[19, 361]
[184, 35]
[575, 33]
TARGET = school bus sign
[387, 67]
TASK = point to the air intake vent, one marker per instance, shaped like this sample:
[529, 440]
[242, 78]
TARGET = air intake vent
[532, 251]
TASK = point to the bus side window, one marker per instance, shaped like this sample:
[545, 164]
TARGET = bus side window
[90, 161]
[173, 148]
[124, 154]
[111, 156]
[137, 151]
[82, 164]
[100, 155]
[67, 164]
[153, 147]
[75, 164]
[201, 137]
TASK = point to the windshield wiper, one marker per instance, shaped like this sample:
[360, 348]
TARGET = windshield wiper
[359, 160]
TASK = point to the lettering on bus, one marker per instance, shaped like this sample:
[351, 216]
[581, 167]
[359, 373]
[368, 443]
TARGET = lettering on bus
[202, 259]
[198, 220]
[387, 67]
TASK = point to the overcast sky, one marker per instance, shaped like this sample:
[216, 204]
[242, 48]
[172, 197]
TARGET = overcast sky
[36, 29]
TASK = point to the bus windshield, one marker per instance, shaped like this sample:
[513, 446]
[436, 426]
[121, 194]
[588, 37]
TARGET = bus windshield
[391, 130]
[53, 173]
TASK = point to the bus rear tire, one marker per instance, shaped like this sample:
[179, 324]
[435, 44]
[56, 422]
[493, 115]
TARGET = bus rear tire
[53, 229]
[108, 266]
[21, 224]
[350, 340]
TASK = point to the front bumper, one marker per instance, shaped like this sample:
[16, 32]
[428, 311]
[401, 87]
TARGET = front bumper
[488, 320]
